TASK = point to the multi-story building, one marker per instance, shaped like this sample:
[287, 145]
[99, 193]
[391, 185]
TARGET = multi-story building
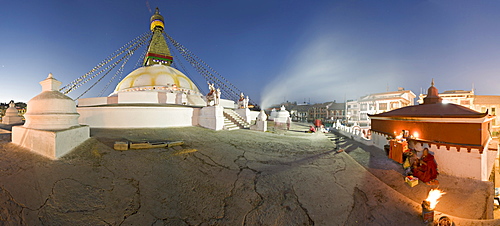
[460, 97]
[358, 111]
[479, 103]
[326, 112]
[483, 103]
[299, 112]
[352, 111]
[329, 111]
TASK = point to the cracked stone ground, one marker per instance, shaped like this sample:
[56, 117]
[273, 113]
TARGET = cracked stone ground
[237, 177]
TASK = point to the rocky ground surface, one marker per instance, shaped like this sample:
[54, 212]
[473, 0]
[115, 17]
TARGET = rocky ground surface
[239, 177]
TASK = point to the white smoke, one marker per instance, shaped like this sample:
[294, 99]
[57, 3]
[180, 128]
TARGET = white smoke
[327, 69]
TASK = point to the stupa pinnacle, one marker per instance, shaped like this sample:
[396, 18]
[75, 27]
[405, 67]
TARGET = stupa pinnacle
[158, 52]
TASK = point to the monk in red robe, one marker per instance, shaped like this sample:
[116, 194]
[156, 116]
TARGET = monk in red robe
[426, 168]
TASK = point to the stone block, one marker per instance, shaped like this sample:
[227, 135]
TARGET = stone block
[52, 144]
[121, 145]
[212, 117]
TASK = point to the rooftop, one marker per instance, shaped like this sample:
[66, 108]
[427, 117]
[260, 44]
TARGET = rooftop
[437, 110]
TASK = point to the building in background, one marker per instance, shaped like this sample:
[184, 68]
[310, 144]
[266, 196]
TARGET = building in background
[358, 110]
[327, 112]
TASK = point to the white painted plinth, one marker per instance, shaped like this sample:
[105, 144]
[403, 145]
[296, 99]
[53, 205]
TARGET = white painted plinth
[124, 116]
[138, 97]
[259, 126]
[181, 98]
[282, 120]
[212, 117]
[52, 144]
[11, 120]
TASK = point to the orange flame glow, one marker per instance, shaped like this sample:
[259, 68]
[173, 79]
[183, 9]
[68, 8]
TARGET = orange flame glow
[434, 195]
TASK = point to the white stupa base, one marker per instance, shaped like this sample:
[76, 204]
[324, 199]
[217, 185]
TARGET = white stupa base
[259, 126]
[138, 116]
[282, 120]
[52, 144]
[11, 120]
[212, 117]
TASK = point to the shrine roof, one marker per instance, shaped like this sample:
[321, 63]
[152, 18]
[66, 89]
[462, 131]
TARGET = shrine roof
[437, 110]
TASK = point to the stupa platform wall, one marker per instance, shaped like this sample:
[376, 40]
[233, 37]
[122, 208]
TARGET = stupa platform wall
[212, 117]
[129, 116]
[94, 101]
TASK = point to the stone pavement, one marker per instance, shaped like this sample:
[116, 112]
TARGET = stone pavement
[239, 177]
[465, 199]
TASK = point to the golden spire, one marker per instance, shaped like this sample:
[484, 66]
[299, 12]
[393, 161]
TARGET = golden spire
[157, 21]
[158, 52]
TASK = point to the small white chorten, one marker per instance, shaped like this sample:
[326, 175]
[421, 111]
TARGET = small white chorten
[282, 115]
[11, 116]
[261, 123]
[51, 110]
[51, 128]
[273, 115]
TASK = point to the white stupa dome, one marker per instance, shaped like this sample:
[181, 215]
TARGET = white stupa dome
[155, 78]
[11, 111]
[51, 110]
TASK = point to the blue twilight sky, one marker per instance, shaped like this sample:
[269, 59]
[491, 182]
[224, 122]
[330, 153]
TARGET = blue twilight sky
[320, 50]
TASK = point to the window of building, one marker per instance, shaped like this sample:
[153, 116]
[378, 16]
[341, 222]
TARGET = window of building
[382, 106]
[493, 111]
[394, 105]
[363, 116]
[483, 109]
[464, 102]
[364, 107]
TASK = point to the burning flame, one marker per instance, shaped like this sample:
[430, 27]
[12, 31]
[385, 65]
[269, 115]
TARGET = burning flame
[432, 198]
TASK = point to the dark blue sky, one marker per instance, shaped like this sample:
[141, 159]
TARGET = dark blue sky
[271, 50]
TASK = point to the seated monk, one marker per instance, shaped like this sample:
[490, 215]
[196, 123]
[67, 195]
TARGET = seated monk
[425, 169]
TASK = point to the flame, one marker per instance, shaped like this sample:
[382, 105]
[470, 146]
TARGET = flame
[432, 198]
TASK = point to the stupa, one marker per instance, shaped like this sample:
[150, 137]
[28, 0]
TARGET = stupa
[261, 122]
[11, 116]
[282, 116]
[154, 95]
[51, 128]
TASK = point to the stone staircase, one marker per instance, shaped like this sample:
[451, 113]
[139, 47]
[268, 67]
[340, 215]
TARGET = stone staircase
[228, 125]
[235, 119]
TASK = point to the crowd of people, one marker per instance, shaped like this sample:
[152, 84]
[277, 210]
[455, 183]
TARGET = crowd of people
[424, 168]
[318, 127]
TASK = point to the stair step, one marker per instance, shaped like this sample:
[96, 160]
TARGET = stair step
[235, 119]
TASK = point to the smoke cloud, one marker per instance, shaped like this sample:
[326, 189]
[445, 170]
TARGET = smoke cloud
[330, 68]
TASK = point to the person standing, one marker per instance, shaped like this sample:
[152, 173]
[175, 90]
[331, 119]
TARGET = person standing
[288, 122]
[317, 124]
